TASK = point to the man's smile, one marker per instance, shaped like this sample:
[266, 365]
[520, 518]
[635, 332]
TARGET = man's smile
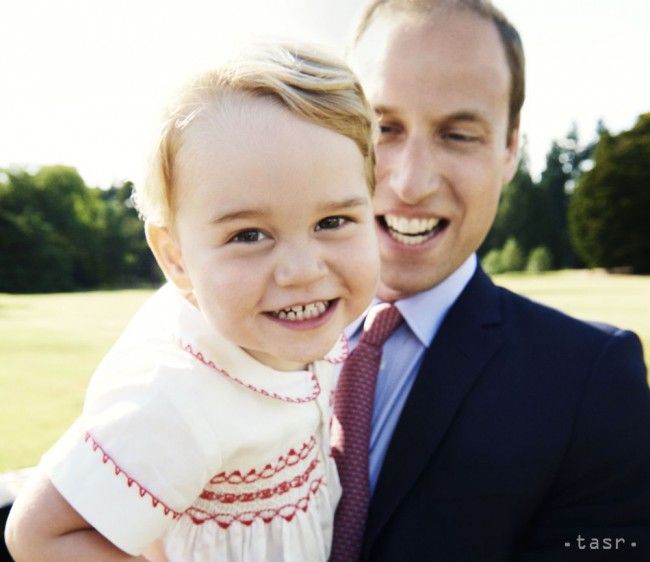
[411, 231]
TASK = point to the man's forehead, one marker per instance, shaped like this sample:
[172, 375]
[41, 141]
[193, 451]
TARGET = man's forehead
[422, 56]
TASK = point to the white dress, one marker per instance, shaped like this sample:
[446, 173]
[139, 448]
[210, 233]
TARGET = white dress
[184, 435]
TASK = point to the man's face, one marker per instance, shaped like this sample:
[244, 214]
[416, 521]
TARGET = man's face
[440, 86]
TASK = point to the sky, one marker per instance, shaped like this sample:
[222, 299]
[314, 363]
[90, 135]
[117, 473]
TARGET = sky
[83, 82]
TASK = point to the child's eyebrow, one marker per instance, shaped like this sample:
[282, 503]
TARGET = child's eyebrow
[241, 214]
[257, 213]
[345, 204]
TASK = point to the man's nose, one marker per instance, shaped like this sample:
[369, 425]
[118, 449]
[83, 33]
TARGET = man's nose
[299, 263]
[415, 174]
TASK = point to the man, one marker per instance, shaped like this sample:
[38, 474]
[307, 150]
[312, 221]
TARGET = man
[502, 429]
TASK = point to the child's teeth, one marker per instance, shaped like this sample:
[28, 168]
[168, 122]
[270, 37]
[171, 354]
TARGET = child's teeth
[311, 310]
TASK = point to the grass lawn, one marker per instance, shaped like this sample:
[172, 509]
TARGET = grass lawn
[50, 344]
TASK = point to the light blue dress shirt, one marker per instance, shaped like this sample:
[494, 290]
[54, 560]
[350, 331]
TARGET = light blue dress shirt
[403, 353]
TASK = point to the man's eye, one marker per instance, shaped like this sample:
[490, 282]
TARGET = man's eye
[331, 223]
[460, 137]
[388, 129]
[249, 236]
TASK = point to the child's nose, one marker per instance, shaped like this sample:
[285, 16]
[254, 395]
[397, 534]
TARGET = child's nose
[300, 263]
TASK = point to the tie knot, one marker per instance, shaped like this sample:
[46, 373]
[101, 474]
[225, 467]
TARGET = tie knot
[380, 323]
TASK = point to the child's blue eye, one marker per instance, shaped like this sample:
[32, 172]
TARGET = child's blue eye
[249, 236]
[331, 223]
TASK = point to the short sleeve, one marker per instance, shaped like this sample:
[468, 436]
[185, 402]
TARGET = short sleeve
[136, 459]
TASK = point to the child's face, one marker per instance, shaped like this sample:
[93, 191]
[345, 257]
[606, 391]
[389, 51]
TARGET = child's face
[273, 213]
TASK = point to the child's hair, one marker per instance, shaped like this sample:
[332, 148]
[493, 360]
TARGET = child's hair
[316, 87]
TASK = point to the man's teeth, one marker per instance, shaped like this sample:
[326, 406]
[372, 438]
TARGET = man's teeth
[302, 312]
[403, 225]
[409, 240]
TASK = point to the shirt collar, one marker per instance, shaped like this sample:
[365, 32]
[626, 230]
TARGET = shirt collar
[425, 311]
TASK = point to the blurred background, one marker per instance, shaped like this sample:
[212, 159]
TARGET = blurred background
[83, 84]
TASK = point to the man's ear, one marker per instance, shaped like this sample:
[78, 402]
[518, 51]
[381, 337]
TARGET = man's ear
[511, 154]
[168, 254]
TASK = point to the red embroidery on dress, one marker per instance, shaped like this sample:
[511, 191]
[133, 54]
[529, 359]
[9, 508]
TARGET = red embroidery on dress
[265, 493]
[292, 457]
[287, 511]
[208, 363]
[142, 491]
[224, 520]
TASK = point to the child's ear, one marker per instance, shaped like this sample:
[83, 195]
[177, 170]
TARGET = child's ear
[168, 254]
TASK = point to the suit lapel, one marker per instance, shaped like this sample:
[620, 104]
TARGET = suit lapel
[467, 339]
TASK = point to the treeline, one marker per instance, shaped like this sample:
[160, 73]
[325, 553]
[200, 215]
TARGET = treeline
[587, 209]
[58, 234]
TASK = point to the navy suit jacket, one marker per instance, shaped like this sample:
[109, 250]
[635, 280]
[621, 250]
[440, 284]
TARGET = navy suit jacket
[525, 431]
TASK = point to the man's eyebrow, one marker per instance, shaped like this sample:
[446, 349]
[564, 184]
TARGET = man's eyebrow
[466, 116]
[462, 115]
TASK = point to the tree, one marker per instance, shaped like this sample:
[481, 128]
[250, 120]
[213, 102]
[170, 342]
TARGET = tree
[74, 211]
[608, 212]
[33, 257]
[564, 165]
[539, 260]
[58, 234]
[126, 258]
[519, 214]
[512, 257]
[491, 262]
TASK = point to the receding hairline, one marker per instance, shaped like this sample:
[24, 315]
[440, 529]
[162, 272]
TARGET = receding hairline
[426, 8]
[485, 10]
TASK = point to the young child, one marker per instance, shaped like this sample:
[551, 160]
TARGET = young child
[206, 426]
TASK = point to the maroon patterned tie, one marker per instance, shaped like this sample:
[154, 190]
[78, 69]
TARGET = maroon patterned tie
[355, 393]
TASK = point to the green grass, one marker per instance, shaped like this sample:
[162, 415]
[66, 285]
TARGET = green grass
[50, 344]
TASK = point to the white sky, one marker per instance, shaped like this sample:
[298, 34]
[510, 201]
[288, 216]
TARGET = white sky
[82, 81]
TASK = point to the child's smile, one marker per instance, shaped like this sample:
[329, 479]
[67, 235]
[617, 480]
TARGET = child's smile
[274, 230]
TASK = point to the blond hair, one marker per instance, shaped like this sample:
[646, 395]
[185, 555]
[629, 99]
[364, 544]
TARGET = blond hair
[508, 34]
[313, 86]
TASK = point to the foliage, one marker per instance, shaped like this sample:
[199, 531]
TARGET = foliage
[57, 234]
[518, 214]
[509, 258]
[564, 165]
[33, 256]
[535, 212]
[512, 256]
[539, 260]
[608, 212]
[491, 262]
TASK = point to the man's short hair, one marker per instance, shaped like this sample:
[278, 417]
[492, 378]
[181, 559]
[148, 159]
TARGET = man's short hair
[484, 8]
